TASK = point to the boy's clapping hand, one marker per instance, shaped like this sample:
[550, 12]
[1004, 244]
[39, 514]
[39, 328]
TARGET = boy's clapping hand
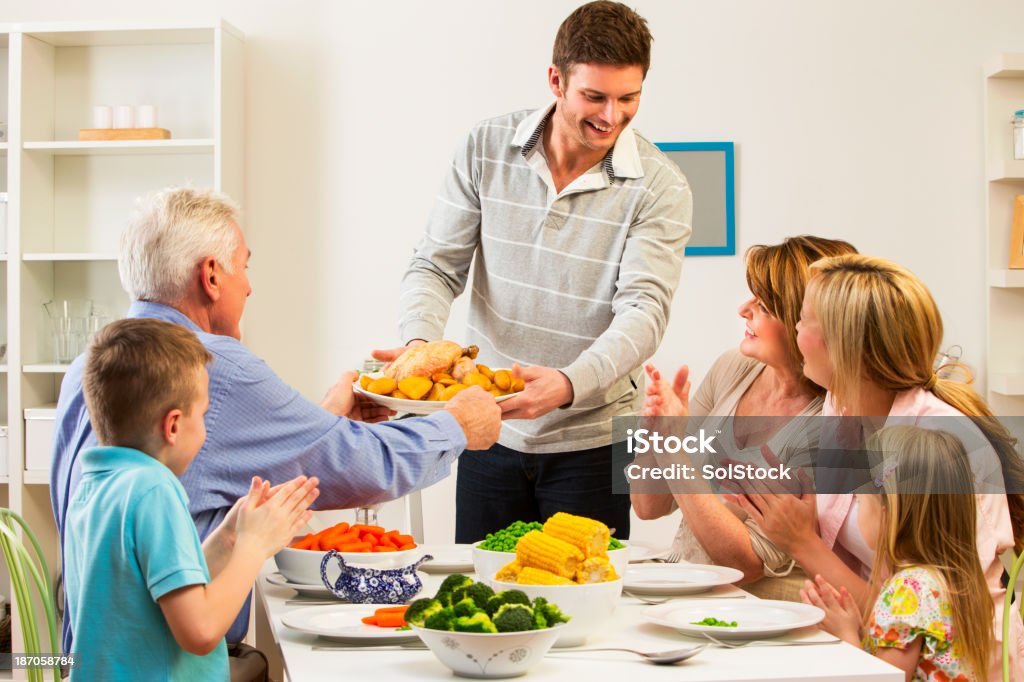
[268, 518]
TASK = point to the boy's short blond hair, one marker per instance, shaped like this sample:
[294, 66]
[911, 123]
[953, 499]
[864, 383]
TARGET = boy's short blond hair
[137, 370]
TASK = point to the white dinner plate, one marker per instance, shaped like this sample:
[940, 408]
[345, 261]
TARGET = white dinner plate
[307, 590]
[639, 553]
[754, 617]
[448, 558]
[676, 579]
[344, 623]
[409, 406]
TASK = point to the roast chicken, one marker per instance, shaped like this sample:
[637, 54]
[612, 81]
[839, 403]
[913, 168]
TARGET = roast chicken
[432, 358]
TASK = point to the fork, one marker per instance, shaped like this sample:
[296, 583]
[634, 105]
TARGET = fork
[767, 642]
[672, 557]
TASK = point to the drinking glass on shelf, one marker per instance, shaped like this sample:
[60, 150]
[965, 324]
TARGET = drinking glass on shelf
[69, 321]
[367, 515]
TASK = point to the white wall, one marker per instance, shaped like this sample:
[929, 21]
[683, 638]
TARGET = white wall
[859, 120]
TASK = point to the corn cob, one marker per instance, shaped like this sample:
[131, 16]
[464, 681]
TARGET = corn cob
[538, 576]
[540, 550]
[509, 572]
[595, 570]
[589, 535]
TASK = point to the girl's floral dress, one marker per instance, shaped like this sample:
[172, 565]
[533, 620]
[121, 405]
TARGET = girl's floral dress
[912, 604]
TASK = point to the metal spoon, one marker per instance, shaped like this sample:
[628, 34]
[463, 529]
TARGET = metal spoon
[655, 657]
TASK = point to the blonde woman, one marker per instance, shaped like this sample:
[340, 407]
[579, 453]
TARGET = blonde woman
[931, 615]
[868, 332]
[762, 380]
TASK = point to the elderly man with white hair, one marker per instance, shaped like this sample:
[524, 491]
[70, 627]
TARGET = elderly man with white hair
[184, 260]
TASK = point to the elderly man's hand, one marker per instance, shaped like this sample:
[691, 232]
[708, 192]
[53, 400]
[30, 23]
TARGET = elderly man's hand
[546, 389]
[342, 401]
[478, 415]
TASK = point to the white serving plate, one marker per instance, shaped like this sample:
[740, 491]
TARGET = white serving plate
[302, 588]
[409, 406]
[754, 617]
[343, 623]
[676, 579]
[447, 558]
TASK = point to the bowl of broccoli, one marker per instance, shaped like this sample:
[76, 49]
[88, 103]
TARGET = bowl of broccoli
[478, 632]
[589, 607]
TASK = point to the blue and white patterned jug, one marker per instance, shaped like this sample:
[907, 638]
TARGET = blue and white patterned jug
[363, 585]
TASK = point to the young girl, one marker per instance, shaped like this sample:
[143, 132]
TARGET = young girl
[932, 613]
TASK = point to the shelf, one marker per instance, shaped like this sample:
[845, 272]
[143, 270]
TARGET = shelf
[122, 147]
[45, 369]
[1005, 66]
[4, 480]
[1006, 171]
[3, 146]
[3, 369]
[69, 256]
[37, 476]
[3, 257]
[1006, 383]
[107, 33]
[1006, 279]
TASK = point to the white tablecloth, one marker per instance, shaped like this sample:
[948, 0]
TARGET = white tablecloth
[833, 662]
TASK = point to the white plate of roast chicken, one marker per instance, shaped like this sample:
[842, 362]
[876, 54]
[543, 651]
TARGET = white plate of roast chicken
[425, 377]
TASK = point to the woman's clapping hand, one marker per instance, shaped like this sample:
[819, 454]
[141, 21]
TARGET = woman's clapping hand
[665, 400]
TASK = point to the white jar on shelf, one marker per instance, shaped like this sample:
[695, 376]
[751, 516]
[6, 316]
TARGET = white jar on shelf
[1018, 134]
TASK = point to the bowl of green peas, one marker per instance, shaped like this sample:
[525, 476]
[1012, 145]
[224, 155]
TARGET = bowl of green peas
[499, 548]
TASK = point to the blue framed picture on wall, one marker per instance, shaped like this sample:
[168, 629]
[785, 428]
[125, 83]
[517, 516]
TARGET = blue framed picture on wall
[710, 169]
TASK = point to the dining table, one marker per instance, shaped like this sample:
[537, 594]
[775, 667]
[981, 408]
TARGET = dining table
[774, 660]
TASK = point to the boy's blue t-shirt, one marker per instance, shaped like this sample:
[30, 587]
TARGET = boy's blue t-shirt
[129, 541]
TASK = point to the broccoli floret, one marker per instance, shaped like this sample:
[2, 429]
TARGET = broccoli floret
[421, 609]
[506, 597]
[478, 592]
[548, 612]
[513, 618]
[478, 622]
[441, 620]
[453, 582]
[466, 607]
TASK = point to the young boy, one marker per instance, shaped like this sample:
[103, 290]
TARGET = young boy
[140, 595]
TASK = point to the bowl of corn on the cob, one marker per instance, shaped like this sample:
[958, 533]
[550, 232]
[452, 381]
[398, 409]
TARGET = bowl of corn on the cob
[499, 548]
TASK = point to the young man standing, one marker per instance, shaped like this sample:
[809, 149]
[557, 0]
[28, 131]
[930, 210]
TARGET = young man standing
[578, 225]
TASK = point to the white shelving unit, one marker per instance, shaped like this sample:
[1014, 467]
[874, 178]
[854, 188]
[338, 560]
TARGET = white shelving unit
[69, 200]
[1004, 93]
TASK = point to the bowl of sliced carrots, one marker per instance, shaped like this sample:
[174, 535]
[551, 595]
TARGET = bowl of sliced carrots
[358, 544]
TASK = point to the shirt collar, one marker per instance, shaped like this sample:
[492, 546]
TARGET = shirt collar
[159, 311]
[107, 458]
[622, 161]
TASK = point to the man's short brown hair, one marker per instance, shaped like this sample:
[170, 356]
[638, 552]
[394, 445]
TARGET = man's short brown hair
[602, 32]
[136, 371]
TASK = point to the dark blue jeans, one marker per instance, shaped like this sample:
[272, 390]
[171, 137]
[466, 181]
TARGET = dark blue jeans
[498, 486]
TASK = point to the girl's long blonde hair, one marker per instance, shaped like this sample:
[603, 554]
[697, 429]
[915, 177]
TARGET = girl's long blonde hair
[880, 324]
[929, 520]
